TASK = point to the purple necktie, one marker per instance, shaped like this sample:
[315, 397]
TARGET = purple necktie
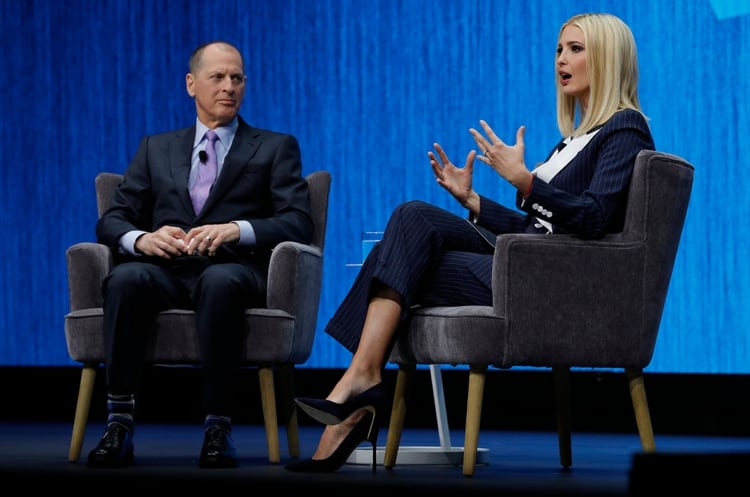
[206, 173]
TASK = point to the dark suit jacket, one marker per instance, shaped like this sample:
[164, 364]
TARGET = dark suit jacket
[260, 182]
[587, 197]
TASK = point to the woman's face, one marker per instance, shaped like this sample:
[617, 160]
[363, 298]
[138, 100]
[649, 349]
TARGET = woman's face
[571, 64]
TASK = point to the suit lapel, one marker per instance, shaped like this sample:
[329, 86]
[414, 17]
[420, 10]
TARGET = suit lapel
[244, 146]
[180, 152]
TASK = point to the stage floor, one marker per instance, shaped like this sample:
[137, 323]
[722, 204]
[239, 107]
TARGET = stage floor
[35, 455]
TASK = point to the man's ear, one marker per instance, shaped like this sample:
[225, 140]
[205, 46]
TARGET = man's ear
[189, 82]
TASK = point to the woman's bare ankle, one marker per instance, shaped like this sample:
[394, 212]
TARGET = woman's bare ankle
[352, 384]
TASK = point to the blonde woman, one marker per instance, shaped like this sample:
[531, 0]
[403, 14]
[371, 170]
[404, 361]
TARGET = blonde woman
[429, 256]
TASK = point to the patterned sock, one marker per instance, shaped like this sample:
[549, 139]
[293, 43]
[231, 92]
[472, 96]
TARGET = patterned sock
[215, 420]
[121, 409]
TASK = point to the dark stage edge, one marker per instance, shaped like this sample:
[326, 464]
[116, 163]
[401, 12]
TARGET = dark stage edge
[33, 456]
[700, 424]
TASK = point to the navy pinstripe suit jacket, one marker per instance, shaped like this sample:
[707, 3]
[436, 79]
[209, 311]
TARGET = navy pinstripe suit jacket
[587, 197]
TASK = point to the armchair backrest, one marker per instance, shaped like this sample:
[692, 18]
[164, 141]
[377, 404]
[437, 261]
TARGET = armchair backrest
[319, 183]
[657, 206]
[105, 184]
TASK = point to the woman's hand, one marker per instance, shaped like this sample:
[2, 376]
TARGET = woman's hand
[457, 181]
[506, 160]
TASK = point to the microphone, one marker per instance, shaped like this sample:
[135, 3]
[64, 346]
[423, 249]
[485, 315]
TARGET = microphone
[202, 156]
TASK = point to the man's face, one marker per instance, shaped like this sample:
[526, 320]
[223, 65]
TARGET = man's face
[218, 85]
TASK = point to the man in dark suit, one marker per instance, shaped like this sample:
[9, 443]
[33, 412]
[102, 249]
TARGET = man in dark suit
[173, 252]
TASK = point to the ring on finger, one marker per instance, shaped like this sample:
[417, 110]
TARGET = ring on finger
[208, 239]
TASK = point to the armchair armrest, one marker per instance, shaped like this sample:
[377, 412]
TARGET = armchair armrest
[88, 263]
[292, 272]
[294, 278]
[550, 290]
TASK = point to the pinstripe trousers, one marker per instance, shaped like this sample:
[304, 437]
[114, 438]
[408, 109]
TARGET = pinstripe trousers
[430, 257]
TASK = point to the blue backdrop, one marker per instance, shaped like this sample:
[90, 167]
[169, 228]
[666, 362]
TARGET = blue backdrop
[367, 87]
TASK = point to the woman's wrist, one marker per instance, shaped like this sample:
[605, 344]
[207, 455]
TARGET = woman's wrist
[471, 202]
[524, 187]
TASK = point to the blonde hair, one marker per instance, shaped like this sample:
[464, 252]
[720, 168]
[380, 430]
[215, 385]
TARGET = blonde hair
[612, 67]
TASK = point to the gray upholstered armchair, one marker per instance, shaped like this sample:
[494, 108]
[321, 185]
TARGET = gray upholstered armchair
[280, 335]
[561, 302]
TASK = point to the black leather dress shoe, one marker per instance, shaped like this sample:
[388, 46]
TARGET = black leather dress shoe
[218, 449]
[115, 449]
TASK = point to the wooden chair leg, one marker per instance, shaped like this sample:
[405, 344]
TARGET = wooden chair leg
[85, 392]
[398, 414]
[288, 408]
[561, 377]
[473, 418]
[270, 420]
[640, 408]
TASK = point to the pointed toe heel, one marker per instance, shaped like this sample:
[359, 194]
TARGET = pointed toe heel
[366, 429]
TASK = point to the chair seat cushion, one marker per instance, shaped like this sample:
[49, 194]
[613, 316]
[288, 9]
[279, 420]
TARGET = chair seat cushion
[270, 338]
[452, 335]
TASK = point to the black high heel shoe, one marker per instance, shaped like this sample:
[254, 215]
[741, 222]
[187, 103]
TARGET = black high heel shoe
[333, 413]
[366, 429]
